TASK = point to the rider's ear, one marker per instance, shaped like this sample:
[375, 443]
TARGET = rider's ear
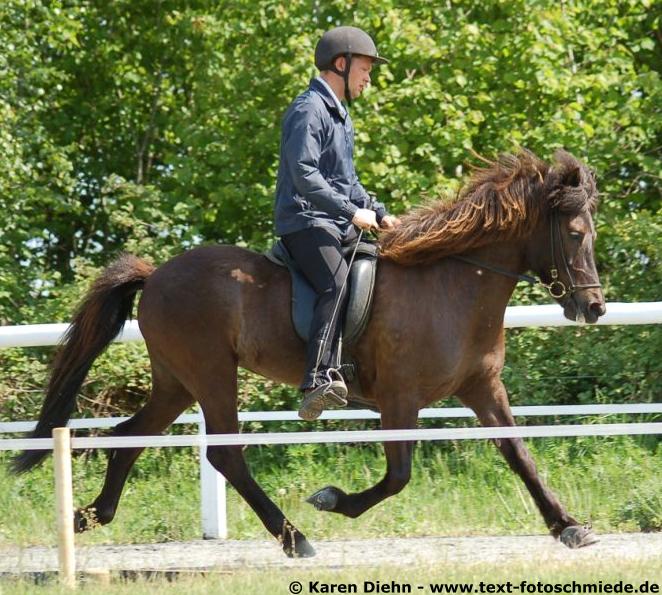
[339, 63]
[572, 177]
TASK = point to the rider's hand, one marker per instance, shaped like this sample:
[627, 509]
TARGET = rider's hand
[389, 222]
[365, 219]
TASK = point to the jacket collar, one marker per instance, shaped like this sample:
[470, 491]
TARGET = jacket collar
[321, 89]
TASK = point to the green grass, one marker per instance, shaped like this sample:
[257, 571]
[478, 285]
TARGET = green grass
[459, 488]
[277, 582]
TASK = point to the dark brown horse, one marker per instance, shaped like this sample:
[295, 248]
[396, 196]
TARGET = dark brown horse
[436, 330]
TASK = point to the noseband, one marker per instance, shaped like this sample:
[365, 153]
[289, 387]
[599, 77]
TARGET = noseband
[556, 288]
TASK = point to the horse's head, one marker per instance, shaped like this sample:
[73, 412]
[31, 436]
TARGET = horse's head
[564, 247]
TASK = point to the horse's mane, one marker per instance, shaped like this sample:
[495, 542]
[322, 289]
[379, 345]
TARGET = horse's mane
[501, 201]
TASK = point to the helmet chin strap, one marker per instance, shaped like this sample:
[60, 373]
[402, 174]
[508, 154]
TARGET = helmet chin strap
[345, 75]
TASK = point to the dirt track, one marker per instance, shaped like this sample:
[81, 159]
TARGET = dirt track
[235, 555]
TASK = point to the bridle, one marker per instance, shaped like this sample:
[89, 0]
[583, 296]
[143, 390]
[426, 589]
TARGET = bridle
[556, 288]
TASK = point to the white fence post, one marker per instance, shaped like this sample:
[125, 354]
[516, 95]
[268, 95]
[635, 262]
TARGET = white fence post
[212, 494]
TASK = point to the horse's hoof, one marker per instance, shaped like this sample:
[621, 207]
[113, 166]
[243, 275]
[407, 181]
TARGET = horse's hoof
[85, 519]
[295, 545]
[325, 499]
[578, 536]
[302, 549]
[80, 520]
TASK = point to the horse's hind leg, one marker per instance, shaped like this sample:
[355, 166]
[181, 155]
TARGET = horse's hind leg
[218, 397]
[167, 400]
[395, 416]
[489, 401]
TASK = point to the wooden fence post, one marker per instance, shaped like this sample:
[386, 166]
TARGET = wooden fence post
[64, 506]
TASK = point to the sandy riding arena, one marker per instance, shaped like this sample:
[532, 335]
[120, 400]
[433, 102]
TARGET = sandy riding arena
[238, 555]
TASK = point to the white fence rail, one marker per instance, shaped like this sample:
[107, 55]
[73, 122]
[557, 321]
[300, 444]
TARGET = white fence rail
[37, 335]
[9, 427]
[339, 436]
[212, 483]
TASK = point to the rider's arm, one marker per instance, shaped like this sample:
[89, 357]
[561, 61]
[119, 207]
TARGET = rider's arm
[363, 199]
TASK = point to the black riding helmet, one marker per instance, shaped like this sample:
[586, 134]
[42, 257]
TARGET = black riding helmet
[345, 41]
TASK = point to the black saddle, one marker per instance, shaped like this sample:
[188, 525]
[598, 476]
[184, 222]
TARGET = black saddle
[361, 284]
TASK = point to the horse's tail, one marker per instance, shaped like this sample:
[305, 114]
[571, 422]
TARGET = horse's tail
[98, 320]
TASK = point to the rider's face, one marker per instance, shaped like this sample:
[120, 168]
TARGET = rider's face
[359, 74]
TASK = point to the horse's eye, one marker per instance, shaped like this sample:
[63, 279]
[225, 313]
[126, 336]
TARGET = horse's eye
[577, 235]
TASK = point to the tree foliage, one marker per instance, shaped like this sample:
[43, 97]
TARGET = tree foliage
[154, 126]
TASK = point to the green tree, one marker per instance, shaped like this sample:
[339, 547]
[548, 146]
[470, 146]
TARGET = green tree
[154, 126]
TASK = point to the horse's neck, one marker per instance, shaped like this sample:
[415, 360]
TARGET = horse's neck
[489, 291]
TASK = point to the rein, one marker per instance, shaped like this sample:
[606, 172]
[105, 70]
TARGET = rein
[489, 267]
[556, 288]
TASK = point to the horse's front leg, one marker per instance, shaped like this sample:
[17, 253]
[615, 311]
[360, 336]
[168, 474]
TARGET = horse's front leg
[489, 400]
[398, 471]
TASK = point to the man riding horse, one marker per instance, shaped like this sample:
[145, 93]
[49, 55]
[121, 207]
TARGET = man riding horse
[320, 202]
[446, 275]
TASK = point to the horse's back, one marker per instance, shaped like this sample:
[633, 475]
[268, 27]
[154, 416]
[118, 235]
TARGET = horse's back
[221, 299]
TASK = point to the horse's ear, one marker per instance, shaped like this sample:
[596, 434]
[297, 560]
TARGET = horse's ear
[572, 177]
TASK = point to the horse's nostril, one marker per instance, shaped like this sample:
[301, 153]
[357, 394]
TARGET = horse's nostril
[598, 308]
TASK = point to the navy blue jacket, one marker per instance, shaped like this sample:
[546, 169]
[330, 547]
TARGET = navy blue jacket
[317, 184]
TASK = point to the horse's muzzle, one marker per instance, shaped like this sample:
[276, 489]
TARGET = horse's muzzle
[584, 308]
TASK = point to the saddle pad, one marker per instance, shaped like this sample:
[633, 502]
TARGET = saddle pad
[361, 284]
